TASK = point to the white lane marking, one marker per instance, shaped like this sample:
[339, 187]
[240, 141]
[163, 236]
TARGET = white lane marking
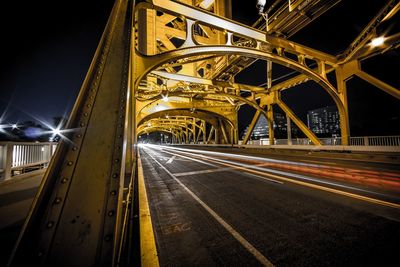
[171, 159]
[202, 171]
[257, 254]
[197, 160]
[233, 167]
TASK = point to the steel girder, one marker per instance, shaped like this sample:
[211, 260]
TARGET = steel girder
[76, 216]
[148, 64]
[261, 46]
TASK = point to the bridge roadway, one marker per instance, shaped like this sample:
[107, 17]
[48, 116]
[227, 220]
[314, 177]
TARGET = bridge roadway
[218, 209]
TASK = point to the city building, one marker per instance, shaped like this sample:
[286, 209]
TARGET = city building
[261, 128]
[324, 120]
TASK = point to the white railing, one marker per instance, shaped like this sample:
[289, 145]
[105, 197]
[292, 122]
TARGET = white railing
[336, 141]
[18, 157]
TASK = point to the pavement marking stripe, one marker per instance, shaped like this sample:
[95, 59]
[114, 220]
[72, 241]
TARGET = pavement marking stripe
[258, 255]
[202, 171]
[171, 159]
[327, 189]
[148, 250]
[197, 160]
[232, 166]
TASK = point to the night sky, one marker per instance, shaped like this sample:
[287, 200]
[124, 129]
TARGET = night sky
[50, 44]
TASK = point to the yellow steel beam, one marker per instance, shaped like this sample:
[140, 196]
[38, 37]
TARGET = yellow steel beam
[270, 120]
[197, 14]
[298, 122]
[222, 127]
[251, 126]
[379, 84]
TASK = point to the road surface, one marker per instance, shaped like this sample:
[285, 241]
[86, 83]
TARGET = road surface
[218, 209]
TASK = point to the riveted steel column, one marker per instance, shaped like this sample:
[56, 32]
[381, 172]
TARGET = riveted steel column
[73, 220]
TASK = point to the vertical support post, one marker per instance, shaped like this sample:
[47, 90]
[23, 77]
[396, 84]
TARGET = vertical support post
[343, 109]
[270, 120]
[216, 131]
[147, 40]
[269, 74]
[289, 130]
[194, 131]
[232, 133]
[186, 134]
[322, 68]
[222, 126]
[235, 129]
[204, 133]
[366, 141]
[210, 134]
[7, 160]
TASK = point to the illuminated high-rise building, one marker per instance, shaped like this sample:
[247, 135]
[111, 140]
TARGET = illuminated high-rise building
[324, 120]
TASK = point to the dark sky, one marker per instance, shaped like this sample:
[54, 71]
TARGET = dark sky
[50, 44]
[49, 48]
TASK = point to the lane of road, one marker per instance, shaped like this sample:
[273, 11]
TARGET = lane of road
[210, 210]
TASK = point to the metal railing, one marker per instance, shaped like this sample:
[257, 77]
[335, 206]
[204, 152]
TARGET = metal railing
[18, 157]
[335, 141]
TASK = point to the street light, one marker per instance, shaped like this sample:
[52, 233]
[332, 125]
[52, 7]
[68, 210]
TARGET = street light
[260, 5]
[378, 41]
[56, 131]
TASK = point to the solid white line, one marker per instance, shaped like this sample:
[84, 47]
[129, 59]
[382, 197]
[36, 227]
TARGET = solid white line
[202, 171]
[257, 254]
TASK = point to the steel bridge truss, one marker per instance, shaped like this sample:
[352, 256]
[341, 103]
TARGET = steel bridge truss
[182, 52]
[169, 67]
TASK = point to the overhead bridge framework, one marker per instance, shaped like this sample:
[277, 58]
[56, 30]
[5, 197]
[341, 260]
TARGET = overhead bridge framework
[170, 67]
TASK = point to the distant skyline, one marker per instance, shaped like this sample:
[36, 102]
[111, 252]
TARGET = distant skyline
[48, 54]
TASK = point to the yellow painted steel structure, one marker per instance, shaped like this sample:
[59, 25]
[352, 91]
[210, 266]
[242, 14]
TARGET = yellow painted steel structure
[170, 66]
[186, 58]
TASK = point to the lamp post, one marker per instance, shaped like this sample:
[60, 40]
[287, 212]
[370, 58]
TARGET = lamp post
[260, 6]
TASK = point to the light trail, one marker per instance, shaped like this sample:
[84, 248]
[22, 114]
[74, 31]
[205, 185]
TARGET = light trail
[387, 180]
[306, 180]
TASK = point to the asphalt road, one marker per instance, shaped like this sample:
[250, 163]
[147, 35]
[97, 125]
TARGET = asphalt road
[15, 200]
[217, 209]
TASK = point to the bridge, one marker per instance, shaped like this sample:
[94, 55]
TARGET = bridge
[209, 198]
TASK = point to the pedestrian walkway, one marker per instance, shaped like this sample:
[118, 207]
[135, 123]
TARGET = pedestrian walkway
[15, 200]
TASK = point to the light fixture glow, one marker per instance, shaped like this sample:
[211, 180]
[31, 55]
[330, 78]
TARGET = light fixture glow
[377, 41]
[14, 126]
[56, 131]
[206, 4]
[165, 98]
